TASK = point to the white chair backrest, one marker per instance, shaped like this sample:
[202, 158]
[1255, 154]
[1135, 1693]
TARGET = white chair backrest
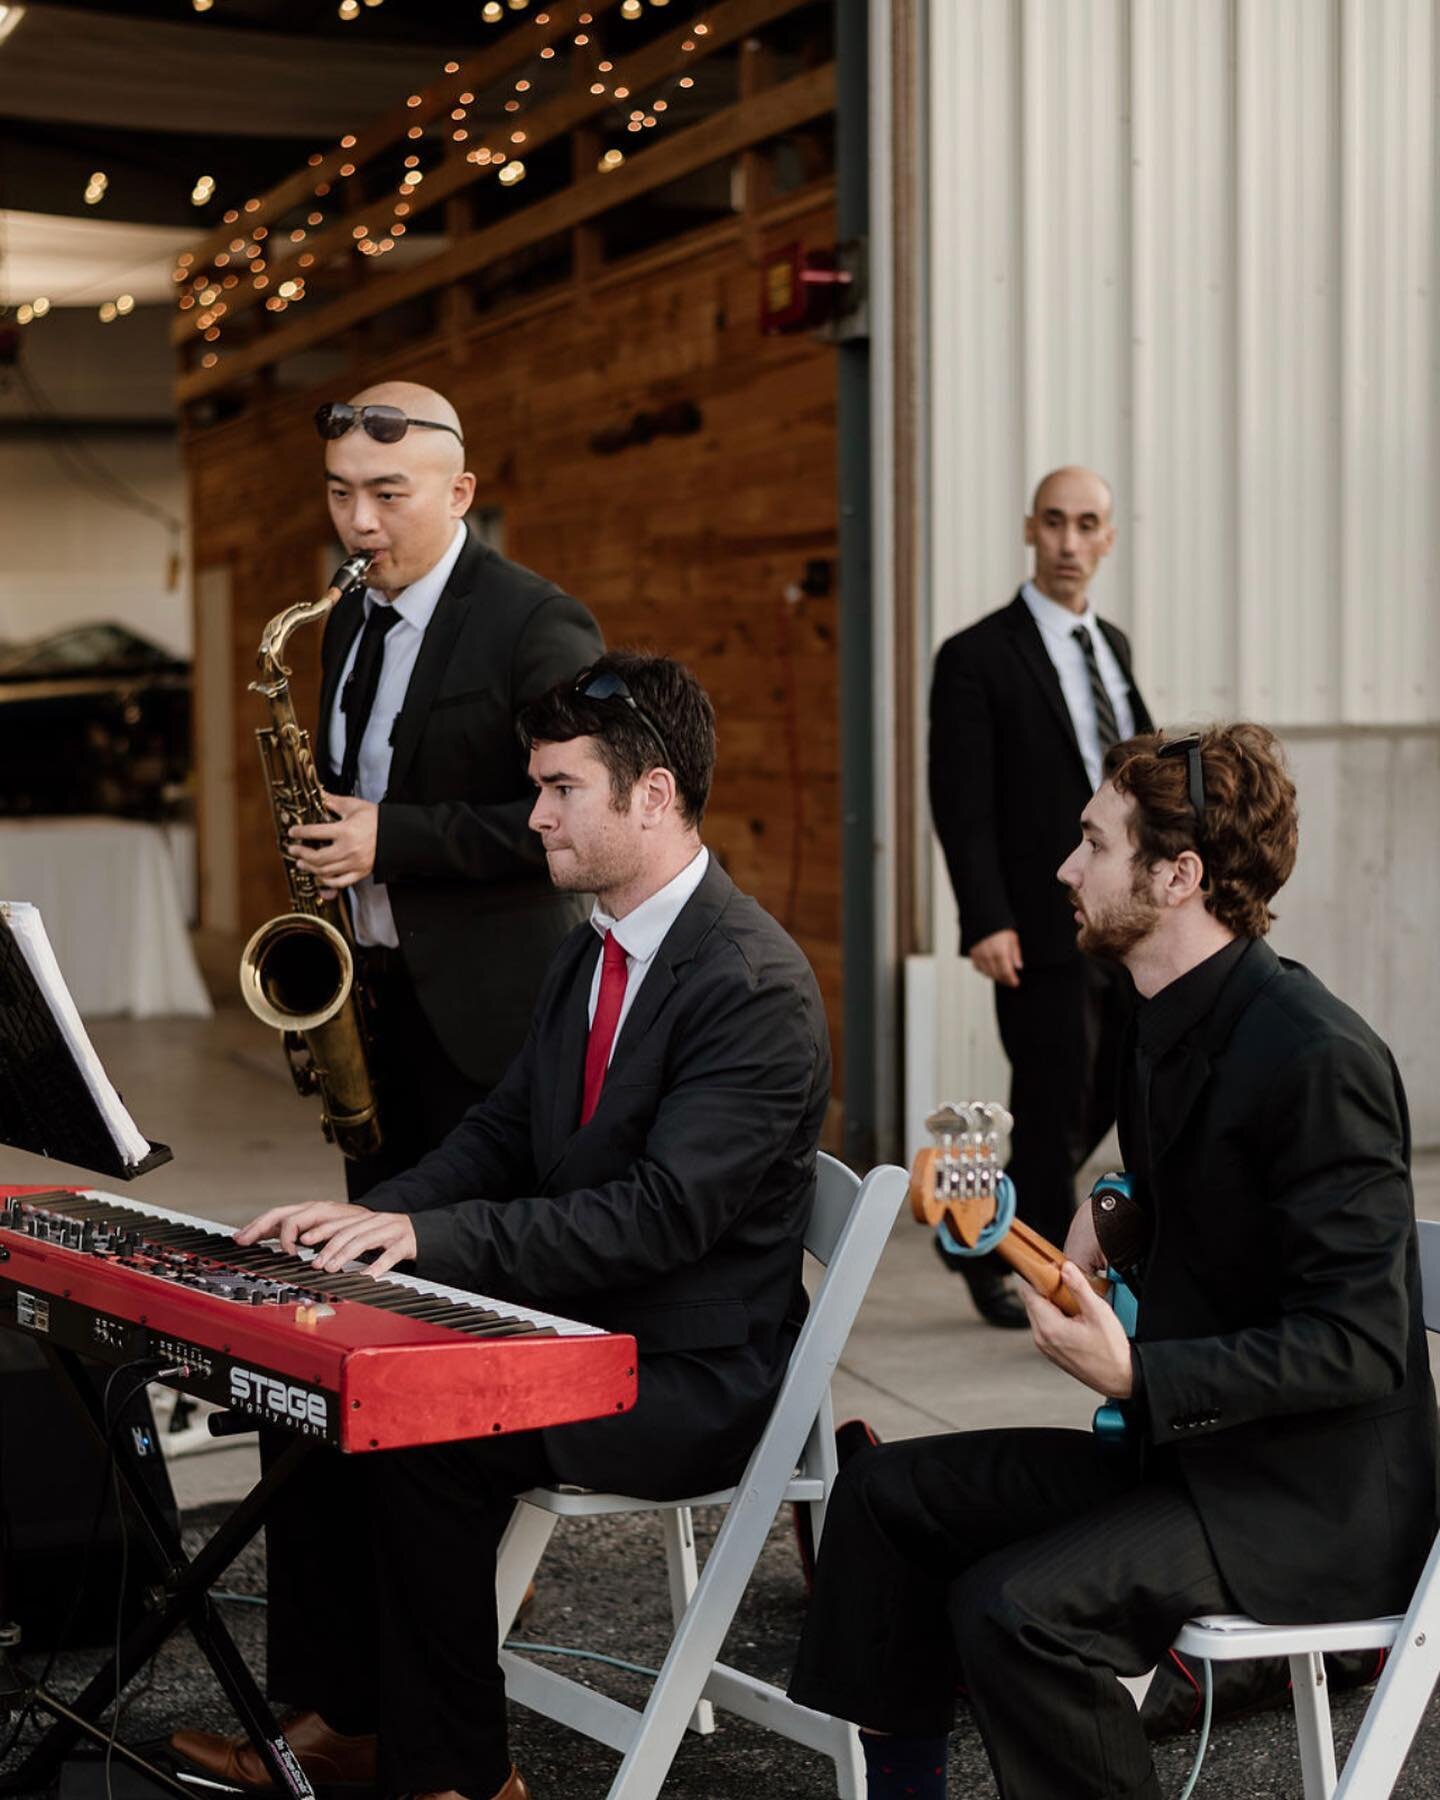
[1429, 1232]
[835, 1189]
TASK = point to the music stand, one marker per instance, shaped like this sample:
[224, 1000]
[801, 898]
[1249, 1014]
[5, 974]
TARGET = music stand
[49, 1077]
[46, 1104]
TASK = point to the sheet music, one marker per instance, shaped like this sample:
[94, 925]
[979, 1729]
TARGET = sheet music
[28, 930]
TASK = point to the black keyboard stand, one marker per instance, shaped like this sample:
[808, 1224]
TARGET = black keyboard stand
[179, 1594]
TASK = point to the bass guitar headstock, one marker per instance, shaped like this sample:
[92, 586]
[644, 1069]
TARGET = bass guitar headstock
[956, 1178]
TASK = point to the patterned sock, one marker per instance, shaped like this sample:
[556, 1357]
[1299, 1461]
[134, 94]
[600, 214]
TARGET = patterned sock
[904, 1768]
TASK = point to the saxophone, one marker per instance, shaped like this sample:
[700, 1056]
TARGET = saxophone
[298, 972]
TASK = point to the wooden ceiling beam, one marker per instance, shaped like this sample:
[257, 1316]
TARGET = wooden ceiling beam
[724, 25]
[724, 134]
[516, 47]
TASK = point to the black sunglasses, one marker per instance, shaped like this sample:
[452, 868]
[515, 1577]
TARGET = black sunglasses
[1189, 748]
[605, 684]
[386, 424]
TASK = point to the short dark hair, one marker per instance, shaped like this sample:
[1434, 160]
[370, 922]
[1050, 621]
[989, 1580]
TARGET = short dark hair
[671, 725]
[1251, 827]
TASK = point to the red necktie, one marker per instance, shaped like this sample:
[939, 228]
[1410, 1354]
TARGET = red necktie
[613, 977]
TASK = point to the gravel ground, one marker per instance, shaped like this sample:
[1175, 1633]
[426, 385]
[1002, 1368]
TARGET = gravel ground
[588, 1582]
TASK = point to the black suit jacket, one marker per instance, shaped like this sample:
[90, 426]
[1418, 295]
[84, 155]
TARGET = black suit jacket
[1007, 781]
[1280, 1332]
[475, 913]
[677, 1212]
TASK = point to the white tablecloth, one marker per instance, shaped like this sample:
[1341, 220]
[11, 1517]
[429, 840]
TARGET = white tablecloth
[108, 893]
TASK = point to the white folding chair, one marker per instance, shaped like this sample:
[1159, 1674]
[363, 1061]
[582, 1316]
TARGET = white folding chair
[793, 1462]
[1404, 1689]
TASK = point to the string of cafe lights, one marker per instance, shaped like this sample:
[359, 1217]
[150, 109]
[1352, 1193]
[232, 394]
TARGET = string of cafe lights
[206, 289]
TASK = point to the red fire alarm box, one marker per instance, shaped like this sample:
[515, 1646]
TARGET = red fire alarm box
[800, 289]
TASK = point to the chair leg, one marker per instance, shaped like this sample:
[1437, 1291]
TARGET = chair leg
[696, 1644]
[1311, 1697]
[678, 1526]
[529, 1531]
[850, 1768]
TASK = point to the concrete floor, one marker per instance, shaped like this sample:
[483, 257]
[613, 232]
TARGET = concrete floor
[918, 1361]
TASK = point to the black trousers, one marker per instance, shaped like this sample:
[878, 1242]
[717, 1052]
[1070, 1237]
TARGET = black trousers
[1061, 1029]
[381, 1569]
[1031, 1565]
[422, 1094]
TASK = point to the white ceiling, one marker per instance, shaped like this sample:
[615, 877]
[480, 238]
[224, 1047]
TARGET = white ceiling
[80, 262]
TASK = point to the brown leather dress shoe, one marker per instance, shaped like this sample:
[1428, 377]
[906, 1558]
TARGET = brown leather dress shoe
[328, 1757]
[514, 1789]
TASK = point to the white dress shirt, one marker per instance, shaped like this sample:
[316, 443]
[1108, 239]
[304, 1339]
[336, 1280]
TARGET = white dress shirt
[641, 932]
[1057, 625]
[415, 607]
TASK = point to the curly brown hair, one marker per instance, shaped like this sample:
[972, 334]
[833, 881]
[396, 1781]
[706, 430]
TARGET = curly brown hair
[1248, 838]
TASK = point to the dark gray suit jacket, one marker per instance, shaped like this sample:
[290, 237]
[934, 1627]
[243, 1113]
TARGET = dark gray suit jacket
[1280, 1334]
[677, 1212]
[1007, 780]
[476, 916]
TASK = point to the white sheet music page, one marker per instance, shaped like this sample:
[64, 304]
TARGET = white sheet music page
[28, 930]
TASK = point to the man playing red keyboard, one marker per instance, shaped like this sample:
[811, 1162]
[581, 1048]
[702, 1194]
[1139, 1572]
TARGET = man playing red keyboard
[646, 1165]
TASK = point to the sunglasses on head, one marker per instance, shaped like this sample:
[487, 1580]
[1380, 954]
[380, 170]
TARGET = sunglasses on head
[1189, 748]
[386, 424]
[605, 684]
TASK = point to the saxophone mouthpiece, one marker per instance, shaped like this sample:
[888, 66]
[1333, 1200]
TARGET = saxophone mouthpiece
[352, 570]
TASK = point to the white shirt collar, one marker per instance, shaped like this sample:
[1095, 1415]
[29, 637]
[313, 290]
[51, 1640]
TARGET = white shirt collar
[641, 932]
[416, 604]
[1051, 616]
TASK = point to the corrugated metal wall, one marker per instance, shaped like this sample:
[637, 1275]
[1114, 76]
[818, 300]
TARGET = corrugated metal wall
[1193, 243]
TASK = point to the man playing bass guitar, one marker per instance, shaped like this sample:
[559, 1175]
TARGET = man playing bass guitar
[1279, 1456]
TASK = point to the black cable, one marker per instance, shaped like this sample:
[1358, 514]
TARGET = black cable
[149, 1363]
[112, 1428]
[77, 460]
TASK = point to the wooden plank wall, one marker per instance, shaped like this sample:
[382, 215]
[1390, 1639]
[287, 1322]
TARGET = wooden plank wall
[692, 546]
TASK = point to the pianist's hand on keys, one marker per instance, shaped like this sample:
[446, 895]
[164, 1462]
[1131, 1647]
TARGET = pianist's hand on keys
[346, 1231]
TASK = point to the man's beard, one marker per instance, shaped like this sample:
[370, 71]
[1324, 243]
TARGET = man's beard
[1112, 934]
[603, 869]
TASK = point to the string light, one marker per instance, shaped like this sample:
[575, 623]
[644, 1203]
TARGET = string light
[107, 313]
[510, 168]
[95, 188]
[202, 6]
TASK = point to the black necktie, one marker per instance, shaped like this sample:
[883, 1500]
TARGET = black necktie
[1105, 722]
[358, 697]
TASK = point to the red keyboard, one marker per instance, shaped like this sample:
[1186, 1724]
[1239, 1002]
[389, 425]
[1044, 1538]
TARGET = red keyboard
[356, 1362]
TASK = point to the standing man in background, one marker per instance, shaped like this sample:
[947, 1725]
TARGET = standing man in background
[1023, 707]
[422, 678]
